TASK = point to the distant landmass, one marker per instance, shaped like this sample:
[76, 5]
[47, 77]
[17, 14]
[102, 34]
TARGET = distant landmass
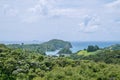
[114, 47]
[55, 44]
[51, 45]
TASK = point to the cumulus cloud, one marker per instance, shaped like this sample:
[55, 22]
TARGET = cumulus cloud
[42, 7]
[9, 10]
[51, 9]
[113, 7]
[69, 12]
[90, 24]
[114, 4]
[39, 10]
[92, 15]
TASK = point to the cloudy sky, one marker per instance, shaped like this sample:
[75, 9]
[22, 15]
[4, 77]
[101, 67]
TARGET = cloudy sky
[73, 20]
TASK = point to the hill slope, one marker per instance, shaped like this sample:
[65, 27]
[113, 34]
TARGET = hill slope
[51, 45]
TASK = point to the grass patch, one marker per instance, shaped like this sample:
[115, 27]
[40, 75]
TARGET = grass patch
[85, 53]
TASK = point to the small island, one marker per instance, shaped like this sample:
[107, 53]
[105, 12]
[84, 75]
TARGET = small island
[55, 44]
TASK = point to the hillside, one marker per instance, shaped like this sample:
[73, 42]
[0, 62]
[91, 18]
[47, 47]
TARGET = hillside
[65, 51]
[55, 44]
[114, 47]
[50, 45]
[16, 64]
[109, 55]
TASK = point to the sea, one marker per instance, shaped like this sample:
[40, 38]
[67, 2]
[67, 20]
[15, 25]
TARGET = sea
[76, 45]
[83, 45]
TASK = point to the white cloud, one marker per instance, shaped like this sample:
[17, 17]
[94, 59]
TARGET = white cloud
[12, 12]
[89, 24]
[114, 4]
[49, 8]
[42, 7]
[8, 10]
[69, 12]
[63, 14]
[113, 7]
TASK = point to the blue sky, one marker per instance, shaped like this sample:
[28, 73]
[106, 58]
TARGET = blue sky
[72, 20]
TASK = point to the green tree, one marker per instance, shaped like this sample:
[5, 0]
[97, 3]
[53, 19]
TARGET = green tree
[92, 48]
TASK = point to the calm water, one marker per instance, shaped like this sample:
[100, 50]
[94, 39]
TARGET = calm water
[82, 45]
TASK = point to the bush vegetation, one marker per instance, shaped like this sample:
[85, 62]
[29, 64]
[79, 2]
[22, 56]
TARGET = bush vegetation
[17, 64]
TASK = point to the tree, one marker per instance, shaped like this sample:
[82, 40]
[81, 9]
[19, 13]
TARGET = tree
[65, 51]
[92, 48]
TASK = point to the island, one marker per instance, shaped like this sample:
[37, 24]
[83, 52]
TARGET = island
[55, 44]
[51, 45]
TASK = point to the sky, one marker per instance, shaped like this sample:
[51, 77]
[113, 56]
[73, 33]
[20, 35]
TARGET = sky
[71, 20]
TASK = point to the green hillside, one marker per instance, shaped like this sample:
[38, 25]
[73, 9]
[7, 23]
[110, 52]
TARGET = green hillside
[18, 64]
[50, 45]
[114, 47]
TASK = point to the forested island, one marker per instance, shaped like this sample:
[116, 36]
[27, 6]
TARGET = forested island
[19, 62]
[51, 45]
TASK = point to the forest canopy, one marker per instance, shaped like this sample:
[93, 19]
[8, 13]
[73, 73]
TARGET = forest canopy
[18, 64]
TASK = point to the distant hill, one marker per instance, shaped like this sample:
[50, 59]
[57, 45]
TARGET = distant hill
[55, 44]
[113, 47]
[51, 45]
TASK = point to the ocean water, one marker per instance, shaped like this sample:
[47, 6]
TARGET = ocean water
[83, 45]
[52, 53]
[76, 46]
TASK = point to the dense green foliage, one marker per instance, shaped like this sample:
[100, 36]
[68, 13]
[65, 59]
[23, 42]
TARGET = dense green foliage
[92, 48]
[56, 44]
[106, 56]
[85, 53]
[65, 51]
[113, 47]
[3, 48]
[51, 45]
[17, 64]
